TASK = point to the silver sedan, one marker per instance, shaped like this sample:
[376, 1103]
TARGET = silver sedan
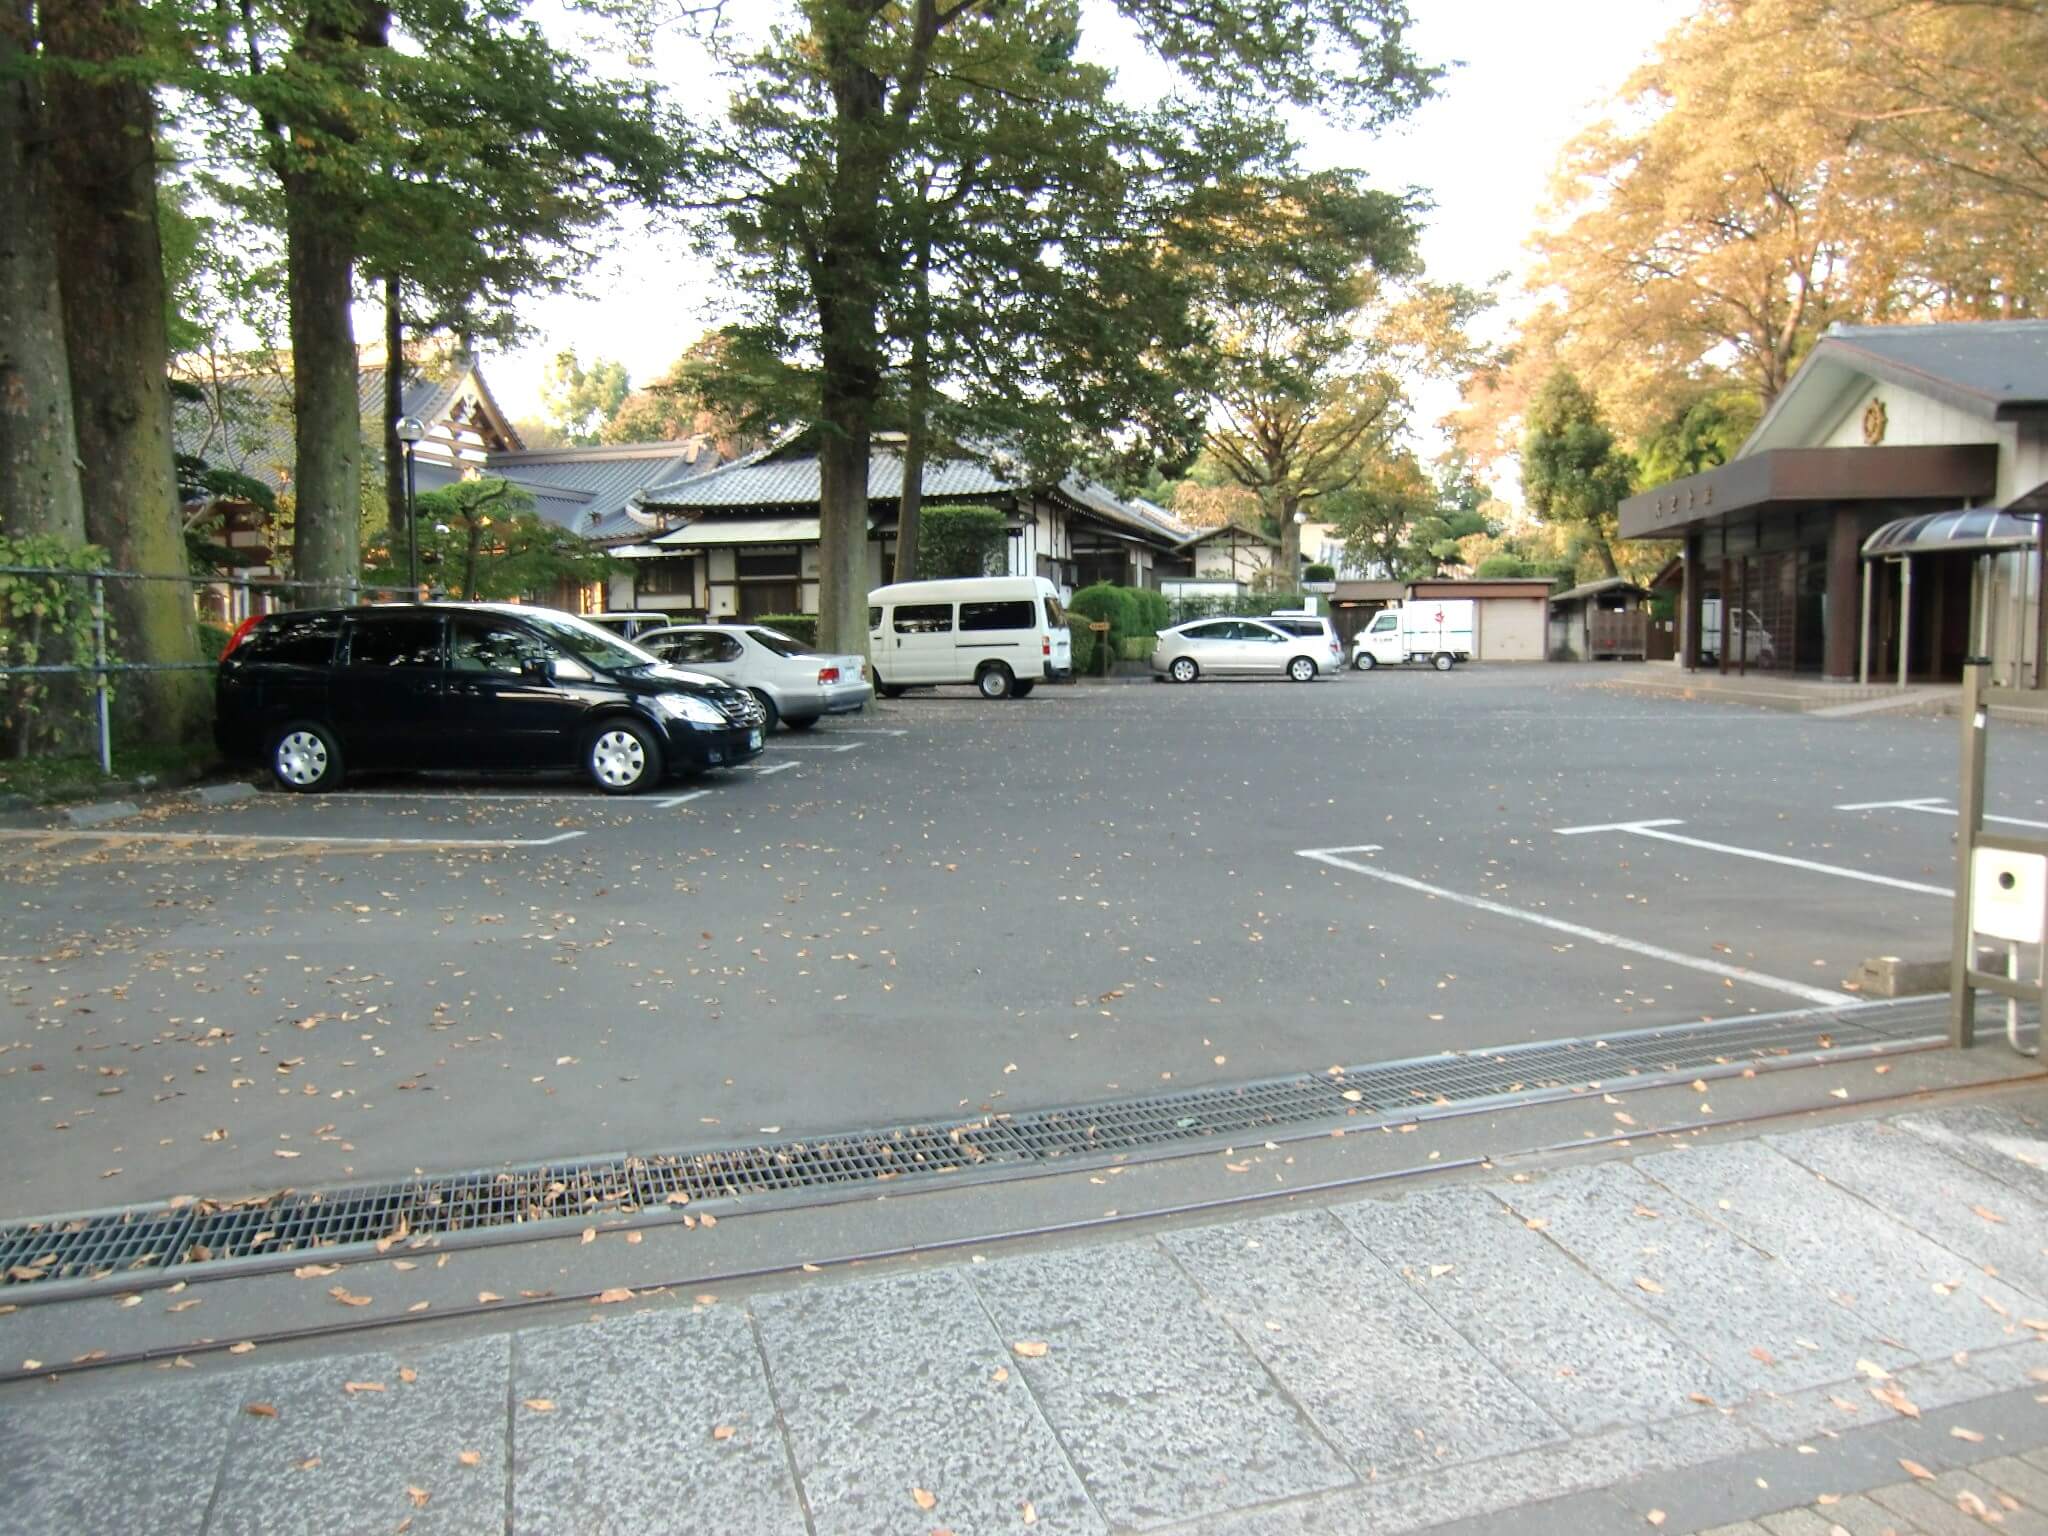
[794, 683]
[1243, 648]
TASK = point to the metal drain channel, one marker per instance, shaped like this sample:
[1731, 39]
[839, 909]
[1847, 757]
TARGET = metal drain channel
[56, 1257]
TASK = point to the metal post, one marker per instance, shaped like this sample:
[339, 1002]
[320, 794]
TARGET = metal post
[1962, 1010]
[1905, 615]
[2040, 604]
[99, 661]
[412, 526]
[1863, 636]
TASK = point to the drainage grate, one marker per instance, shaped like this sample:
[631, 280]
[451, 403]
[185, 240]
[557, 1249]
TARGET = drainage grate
[62, 1254]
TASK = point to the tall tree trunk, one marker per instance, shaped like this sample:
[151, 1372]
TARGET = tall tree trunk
[39, 486]
[110, 258]
[319, 236]
[1289, 568]
[326, 407]
[1604, 549]
[917, 429]
[394, 408]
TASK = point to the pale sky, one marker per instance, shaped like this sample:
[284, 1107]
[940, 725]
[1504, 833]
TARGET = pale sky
[1531, 76]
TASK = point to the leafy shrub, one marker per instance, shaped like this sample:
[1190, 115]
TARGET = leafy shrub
[1319, 572]
[1084, 646]
[1117, 605]
[800, 627]
[1137, 648]
[1187, 609]
[959, 541]
[46, 621]
[212, 640]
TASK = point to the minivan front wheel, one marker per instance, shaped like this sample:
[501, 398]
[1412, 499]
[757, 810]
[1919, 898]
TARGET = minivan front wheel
[305, 758]
[1302, 669]
[622, 757]
[995, 681]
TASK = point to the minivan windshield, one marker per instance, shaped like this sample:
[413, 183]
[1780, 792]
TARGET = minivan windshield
[589, 644]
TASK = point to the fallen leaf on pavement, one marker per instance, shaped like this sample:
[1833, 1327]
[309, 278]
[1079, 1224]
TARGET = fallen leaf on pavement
[470, 1458]
[260, 1410]
[487, 1297]
[722, 1432]
[1961, 1433]
[540, 1405]
[353, 1387]
[346, 1297]
[1914, 1469]
[314, 1271]
[419, 1496]
[925, 1497]
[1896, 1400]
[1987, 1214]
[616, 1293]
[242, 1348]
[1655, 1517]
[408, 1375]
[1030, 1349]
[1644, 1282]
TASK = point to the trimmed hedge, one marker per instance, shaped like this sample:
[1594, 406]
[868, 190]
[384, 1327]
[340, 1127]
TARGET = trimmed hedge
[1084, 646]
[1137, 648]
[1116, 605]
[1249, 606]
[801, 627]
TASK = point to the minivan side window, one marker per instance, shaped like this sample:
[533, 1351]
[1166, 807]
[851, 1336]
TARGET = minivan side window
[292, 640]
[924, 619]
[386, 644]
[1021, 614]
[486, 645]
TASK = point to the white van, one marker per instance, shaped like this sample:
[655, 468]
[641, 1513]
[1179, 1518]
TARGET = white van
[1004, 634]
[1436, 630]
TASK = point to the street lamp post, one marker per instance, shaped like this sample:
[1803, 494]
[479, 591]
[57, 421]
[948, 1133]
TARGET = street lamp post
[410, 430]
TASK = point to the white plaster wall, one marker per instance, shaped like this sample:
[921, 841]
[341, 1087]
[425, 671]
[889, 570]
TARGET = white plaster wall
[1913, 419]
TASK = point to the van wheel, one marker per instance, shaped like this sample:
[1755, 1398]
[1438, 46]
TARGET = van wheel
[1444, 661]
[770, 714]
[1184, 669]
[995, 681]
[622, 758]
[1302, 669]
[889, 690]
[1365, 661]
[305, 758]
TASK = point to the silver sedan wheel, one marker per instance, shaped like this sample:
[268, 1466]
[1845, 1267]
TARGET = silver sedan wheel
[1183, 670]
[301, 758]
[618, 758]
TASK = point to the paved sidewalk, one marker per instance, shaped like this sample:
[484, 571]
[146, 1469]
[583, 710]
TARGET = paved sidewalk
[1835, 1327]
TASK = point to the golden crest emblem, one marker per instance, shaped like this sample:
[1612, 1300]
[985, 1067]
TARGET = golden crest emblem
[1875, 419]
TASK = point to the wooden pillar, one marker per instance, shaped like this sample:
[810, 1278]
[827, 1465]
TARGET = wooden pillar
[1689, 597]
[1844, 595]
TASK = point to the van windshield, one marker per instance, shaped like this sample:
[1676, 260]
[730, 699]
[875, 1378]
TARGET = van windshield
[1055, 615]
[589, 644]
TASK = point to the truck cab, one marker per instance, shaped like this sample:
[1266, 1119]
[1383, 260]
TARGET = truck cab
[1437, 631]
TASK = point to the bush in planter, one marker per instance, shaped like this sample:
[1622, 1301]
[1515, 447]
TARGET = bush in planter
[800, 627]
[1319, 572]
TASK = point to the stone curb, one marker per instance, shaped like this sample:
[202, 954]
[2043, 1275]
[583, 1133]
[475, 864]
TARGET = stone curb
[99, 812]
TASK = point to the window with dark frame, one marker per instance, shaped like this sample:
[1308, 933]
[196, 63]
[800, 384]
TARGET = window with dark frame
[924, 619]
[666, 576]
[1016, 614]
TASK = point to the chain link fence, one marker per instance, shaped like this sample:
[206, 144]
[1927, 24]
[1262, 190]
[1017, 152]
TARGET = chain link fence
[46, 607]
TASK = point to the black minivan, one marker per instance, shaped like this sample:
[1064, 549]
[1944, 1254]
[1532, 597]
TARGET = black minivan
[468, 686]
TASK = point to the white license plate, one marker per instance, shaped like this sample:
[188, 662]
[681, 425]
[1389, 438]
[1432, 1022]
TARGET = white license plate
[753, 738]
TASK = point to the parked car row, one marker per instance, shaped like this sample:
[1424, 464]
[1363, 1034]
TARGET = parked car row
[316, 693]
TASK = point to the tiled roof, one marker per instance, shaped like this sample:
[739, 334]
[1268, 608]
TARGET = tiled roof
[1980, 363]
[245, 423]
[787, 475]
[768, 481]
[587, 490]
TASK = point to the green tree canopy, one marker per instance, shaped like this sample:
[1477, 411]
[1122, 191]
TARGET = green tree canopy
[1573, 469]
[481, 539]
[580, 401]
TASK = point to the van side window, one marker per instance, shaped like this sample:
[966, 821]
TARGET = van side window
[388, 644]
[482, 645]
[924, 619]
[874, 617]
[293, 640]
[1012, 615]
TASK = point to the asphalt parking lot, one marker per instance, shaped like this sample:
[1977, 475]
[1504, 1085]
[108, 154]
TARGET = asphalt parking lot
[942, 905]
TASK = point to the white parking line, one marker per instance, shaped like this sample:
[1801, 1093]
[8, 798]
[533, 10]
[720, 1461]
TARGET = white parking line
[764, 769]
[1736, 973]
[814, 746]
[867, 730]
[310, 838]
[590, 796]
[1933, 805]
[675, 800]
[1655, 829]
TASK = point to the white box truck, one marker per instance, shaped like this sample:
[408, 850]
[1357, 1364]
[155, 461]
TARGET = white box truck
[1435, 630]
